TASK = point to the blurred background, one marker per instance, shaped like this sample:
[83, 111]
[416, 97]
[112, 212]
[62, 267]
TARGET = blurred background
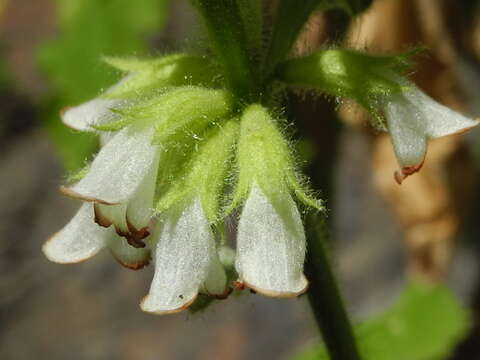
[383, 234]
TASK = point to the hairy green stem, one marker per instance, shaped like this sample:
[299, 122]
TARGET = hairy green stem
[290, 18]
[324, 295]
[227, 33]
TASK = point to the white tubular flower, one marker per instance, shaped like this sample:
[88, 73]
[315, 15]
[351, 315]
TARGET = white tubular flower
[271, 245]
[185, 259]
[121, 182]
[81, 239]
[413, 118]
[215, 283]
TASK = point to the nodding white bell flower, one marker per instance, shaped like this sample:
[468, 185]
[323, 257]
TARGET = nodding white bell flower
[82, 238]
[271, 245]
[186, 261]
[121, 182]
[412, 119]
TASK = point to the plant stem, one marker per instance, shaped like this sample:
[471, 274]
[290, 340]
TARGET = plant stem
[227, 34]
[324, 295]
[290, 18]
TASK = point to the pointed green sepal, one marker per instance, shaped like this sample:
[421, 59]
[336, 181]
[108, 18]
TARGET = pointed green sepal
[135, 64]
[114, 125]
[264, 158]
[205, 174]
[146, 75]
[347, 73]
[303, 193]
[190, 109]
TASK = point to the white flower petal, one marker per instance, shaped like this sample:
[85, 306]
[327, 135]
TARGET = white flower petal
[127, 255]
[118, 169]
[439, 120]
[413, 118]
[93, 112]
[106, 215]
[79, 240]
[182, 258]
[140, 206]
[105, 137]
[216, 281]
[131, 219]
[271, 245]
[407, 131]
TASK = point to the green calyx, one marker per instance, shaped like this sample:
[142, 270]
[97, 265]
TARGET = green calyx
[172, 110]
[264, 159]
[193, 111]
[144, 76]
[347, 73]
[204, 174]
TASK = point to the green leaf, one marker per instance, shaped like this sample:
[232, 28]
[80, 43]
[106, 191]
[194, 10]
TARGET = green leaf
[424, 324]
[88, 30]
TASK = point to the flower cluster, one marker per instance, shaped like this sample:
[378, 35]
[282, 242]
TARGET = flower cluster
[178, 159]
[180, 156]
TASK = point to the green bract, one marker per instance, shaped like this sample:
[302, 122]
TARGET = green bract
[205, 174]
[172, 109]
[347, 73]
[146, 75]
[264, 158]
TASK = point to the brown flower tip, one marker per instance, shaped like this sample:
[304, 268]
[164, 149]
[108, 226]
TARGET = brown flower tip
[133, 265]
[405, 172]
[225, 295]
[173, 311]
[134, 239]
[135, 236]
[276, 294]
[46, 252]
[70, 193]
[239, 285]
[64, 110]
[100, 219]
